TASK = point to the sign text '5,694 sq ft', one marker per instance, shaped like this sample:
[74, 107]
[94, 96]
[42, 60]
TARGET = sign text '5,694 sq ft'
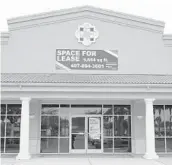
[87, 59]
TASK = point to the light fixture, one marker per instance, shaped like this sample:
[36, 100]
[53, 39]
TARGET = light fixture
[139, 117]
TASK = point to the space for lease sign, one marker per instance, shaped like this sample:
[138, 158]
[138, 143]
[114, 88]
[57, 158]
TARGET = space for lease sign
[74, 59]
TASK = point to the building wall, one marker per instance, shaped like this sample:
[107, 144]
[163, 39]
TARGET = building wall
[32, 50]
[138, 127]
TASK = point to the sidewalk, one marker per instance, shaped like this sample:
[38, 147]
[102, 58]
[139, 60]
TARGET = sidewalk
[87, 161]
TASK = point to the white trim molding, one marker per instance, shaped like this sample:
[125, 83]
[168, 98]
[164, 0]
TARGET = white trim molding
[86, 12]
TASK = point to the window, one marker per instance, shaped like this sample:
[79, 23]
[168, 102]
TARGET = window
[117, 128]
[163, 128]
[10, 128]
[54, 128]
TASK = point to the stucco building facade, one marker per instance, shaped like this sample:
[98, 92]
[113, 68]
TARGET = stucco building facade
[86, 80]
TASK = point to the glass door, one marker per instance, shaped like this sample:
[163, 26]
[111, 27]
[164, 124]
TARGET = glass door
[94, 142]
[78, 132]
[86, 134]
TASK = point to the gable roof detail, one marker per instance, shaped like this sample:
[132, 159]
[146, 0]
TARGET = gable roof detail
[86, 12]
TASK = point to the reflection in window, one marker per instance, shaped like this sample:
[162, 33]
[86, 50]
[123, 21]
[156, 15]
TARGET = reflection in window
[2, 145]
[3, 109]
[169, 144]
[108, 126]
[108, 145]
[159, 120]
[54, 128]
[13, 109]
[117, 129]
[122, 110]
[49, 145]
[160, 144]
[107, 110]
[122, 145]
[2, 126]
[64, 145]
[10, 127]
[64, 126]
[12, 145]
[168, 120]
[122, 125]
[50, 109]
[49, 126]
[163, 128]
[13, 126]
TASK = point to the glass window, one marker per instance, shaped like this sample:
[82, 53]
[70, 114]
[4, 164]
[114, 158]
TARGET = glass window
[3, 109]
[108, 145]
[169, 144]
[160, 144]
[64, 105]
[50, 109]
[49, 126]
[2, 126]
[2, 145]
[86, 109]
[64, 145]
[49, 145]
[64, 126]
[14, 109]
[78, 124]
[12, 145]
[163, 128]
[168, 120]
[13, 126]
[122, 145]
[107, 110]
[10, 127]
[108, 126]
[122, 110]
[122, 126]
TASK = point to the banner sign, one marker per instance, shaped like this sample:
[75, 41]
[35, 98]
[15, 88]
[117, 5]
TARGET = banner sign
[94, 127]
[74, 59]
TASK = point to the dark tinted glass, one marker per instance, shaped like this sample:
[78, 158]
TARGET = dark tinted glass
[50, 109]
[2, 145]
[169, 144]
[3, 109]
[122, 145]
[49, 126]
[108, 126]
[108, 145]
[122, 125]
[13, 126]
[64, 105]
[160, 144]
[64, 145]
[86, 106]
[12, 145]
[122, 110]
[64, 126]
[107, 110]
[2, 126]
[49, 145]
[14, 109]
[158, 110]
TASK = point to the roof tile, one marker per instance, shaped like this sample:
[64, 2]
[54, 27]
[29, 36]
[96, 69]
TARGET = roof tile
[85, 78]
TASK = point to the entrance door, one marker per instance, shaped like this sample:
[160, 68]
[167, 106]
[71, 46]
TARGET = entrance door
[86, 134]
[78, 134]
[94, 144]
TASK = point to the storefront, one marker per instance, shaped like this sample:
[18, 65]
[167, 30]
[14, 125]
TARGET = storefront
[86, 81]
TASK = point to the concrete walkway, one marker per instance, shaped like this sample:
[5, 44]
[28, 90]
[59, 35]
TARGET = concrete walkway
[87, 161]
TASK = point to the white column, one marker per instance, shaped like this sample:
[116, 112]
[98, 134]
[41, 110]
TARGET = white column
[24, 130]
[150, 131]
